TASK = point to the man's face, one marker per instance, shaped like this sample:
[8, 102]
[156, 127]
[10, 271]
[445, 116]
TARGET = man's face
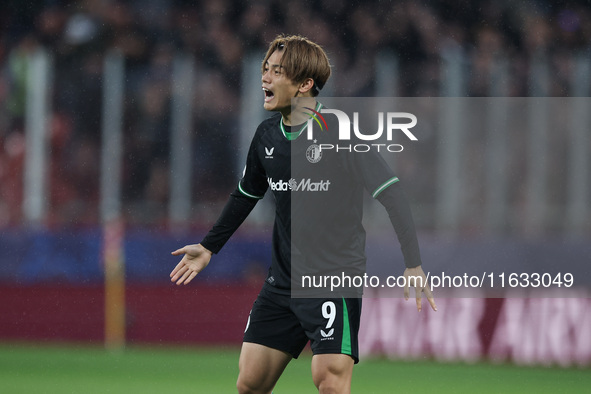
[278, 89]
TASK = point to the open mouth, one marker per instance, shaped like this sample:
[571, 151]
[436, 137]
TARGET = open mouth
[268, 95]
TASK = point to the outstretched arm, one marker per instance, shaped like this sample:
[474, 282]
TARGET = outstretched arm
[395, 202]
[196, 257]
[235, 212]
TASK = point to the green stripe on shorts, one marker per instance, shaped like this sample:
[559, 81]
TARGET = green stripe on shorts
[346, 343]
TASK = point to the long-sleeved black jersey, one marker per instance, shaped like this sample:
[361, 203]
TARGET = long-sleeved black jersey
[319, 203]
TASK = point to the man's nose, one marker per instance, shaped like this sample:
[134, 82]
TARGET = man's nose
[265, 77]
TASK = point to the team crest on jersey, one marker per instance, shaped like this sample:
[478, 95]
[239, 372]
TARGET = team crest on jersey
[314, 153]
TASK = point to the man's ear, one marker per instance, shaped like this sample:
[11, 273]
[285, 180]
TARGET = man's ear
[306, 86]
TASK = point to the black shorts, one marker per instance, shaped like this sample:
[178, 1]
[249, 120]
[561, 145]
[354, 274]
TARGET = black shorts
[284, 323]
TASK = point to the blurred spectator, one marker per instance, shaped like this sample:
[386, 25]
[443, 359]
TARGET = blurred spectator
[219, 33]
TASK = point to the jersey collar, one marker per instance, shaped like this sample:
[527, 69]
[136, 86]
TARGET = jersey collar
[295, 134]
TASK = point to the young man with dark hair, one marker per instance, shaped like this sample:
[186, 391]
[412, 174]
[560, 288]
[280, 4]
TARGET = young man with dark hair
[279, 325]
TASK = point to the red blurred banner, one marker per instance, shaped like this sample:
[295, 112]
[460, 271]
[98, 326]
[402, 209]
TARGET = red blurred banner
[547, 331]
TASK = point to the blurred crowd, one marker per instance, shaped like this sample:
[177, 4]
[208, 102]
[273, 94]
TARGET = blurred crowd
[218, 34]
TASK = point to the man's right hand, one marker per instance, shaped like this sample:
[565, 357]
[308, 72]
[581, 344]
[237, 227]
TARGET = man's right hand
[196, 257]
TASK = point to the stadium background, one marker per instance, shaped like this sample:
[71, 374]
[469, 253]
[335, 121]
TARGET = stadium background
[189, 76]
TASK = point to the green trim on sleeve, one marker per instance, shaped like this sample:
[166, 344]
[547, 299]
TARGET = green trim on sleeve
[384, 186]
[346, 342]
[247, 194]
